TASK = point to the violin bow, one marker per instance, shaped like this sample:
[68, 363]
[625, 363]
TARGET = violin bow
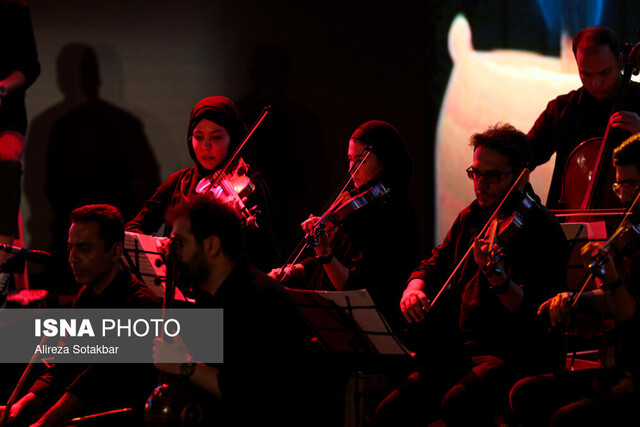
[447, 284]
[303, 244]
[597, 263]
[233, 157]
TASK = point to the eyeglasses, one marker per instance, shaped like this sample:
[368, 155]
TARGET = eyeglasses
[489, 178]
[619, 187]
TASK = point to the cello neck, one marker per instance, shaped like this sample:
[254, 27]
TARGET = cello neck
[606, 147]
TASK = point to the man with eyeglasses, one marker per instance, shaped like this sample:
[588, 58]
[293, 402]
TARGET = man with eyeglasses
[481, 334]
[597, 396]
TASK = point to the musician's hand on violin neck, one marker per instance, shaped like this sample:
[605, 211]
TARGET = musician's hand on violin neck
[627, 120]
[481, 252]
[315, 231]
[594, 255]
[309, 224]
[559, 307]
[414, 303]
[489, 260]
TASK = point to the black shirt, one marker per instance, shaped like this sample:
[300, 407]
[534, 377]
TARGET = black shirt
[535, 259]
[269, 374]
[568, 121]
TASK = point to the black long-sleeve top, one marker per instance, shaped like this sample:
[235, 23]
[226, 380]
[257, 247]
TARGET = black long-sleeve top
[535, 259]
[378, 244]
[569, 120]
[270, 370]
[261, 245]
[104, 386]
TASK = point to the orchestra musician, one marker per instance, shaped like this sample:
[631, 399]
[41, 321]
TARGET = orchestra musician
[96, 239]
[215, 130]
[608, 395]
[482, 335]
[582, 114]
[267, 377]
[374, 247]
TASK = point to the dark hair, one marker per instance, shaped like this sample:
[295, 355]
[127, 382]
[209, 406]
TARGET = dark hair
[387, 144]
[506, 140]
[109, 219]
[597, 35]
[628, 153]
[210, 217]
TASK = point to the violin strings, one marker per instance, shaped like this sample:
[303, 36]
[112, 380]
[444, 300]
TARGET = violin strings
[618, 230]
[347, 179]
[302, 245]
[481, 233]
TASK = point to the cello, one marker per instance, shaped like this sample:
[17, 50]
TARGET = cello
[587, 168]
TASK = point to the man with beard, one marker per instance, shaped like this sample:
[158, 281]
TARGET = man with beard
[267, 377]
[595, 397]
[482, 334]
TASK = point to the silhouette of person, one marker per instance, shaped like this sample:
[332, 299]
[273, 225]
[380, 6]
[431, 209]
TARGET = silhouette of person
[91, 152]
[294, 130]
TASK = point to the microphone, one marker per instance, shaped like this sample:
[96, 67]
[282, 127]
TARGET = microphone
[37, 256]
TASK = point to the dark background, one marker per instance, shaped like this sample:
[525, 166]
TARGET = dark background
[108, 115]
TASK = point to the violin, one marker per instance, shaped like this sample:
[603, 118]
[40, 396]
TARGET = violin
[343, 206]
[515, 222]
[623, 241]
[231, 183]
[502, 230]
[234, 186]
[346, 206]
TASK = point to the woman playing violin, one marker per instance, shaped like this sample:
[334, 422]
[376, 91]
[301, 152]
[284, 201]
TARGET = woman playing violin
[374, 247]
[215, 130]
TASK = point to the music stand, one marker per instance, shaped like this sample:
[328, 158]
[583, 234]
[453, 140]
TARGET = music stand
[348, 322]
[144, 258]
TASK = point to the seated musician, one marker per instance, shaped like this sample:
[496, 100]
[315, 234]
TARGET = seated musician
[267, 376]
[597, 397]
[582, 114]
[215, 131]
[96, 239]
[374, 247]
[481, 335]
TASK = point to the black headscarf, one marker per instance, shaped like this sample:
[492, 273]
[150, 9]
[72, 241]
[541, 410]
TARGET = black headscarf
[223, 112]
[387, 144]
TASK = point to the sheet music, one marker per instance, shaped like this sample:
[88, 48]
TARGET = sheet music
[327, 311]
[143, 255]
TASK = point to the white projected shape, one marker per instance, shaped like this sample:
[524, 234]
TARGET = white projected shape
[485, 88]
